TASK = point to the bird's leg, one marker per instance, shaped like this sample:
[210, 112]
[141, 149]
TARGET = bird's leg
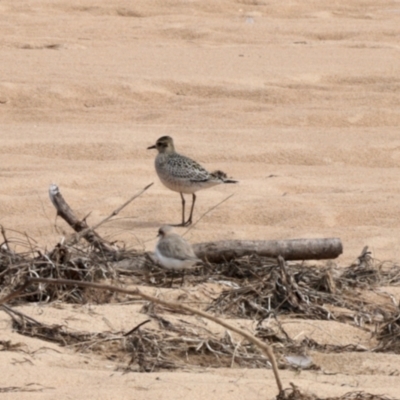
[189, 221]
[183, 211]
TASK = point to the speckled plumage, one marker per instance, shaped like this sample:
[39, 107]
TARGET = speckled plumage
[182, 174]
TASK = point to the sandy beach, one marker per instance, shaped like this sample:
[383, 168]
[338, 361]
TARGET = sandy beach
[298, 101]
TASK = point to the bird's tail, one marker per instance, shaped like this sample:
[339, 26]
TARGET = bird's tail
[222, 175]
[230, 181]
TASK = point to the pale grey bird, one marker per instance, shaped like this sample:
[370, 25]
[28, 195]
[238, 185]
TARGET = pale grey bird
[173, 251]
[182, 174]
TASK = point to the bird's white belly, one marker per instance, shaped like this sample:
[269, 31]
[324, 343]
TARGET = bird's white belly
[187, 187]
[178, 186]
[173, 263]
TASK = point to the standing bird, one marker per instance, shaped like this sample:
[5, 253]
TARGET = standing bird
[173, 251]
[182, 174]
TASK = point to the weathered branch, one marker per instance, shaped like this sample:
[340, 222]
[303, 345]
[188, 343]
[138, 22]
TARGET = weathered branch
[66, 213]
[295, 249]
[80, 226]
[265, 348]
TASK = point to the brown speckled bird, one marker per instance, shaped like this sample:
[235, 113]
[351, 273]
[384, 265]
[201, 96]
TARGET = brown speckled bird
[182, 174]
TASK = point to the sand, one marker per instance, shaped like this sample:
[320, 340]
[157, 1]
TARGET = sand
[297, 100]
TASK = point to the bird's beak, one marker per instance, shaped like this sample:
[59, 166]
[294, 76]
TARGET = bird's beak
[151, 147]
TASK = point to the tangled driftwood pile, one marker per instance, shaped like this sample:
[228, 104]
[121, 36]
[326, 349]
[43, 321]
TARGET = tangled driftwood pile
[256, 287]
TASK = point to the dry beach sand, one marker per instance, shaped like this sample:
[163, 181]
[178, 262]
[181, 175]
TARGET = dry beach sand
[297, 100]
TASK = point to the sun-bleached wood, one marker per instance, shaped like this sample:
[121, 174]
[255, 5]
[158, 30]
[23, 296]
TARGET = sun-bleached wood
[294, 249]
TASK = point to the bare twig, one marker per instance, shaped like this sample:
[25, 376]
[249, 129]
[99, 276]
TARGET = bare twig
[15, 293]
[136, 327]
[3, 233]
[116, 212]
[11, 312]
[207, 212]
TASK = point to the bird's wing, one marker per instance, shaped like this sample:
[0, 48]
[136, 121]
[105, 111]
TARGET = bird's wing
[176, 247]
[186, 168]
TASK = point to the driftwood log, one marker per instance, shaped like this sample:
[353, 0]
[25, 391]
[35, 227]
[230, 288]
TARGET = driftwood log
[295, 249]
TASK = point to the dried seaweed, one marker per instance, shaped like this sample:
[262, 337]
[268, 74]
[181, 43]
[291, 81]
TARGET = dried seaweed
[360, 395]
[388, 336]
[367, 272]
[30, 387]
[259, 288]
[304, 291]
[7, 345]
[80, 262]
[294, 393]
[147, 350]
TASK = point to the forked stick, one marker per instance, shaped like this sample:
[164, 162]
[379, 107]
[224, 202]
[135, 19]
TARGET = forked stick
[80, 226]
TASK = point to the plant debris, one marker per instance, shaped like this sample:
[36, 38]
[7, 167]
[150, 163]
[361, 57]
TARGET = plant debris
[258, 288]
[305, 292]
[149, 350]
[294, 393]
